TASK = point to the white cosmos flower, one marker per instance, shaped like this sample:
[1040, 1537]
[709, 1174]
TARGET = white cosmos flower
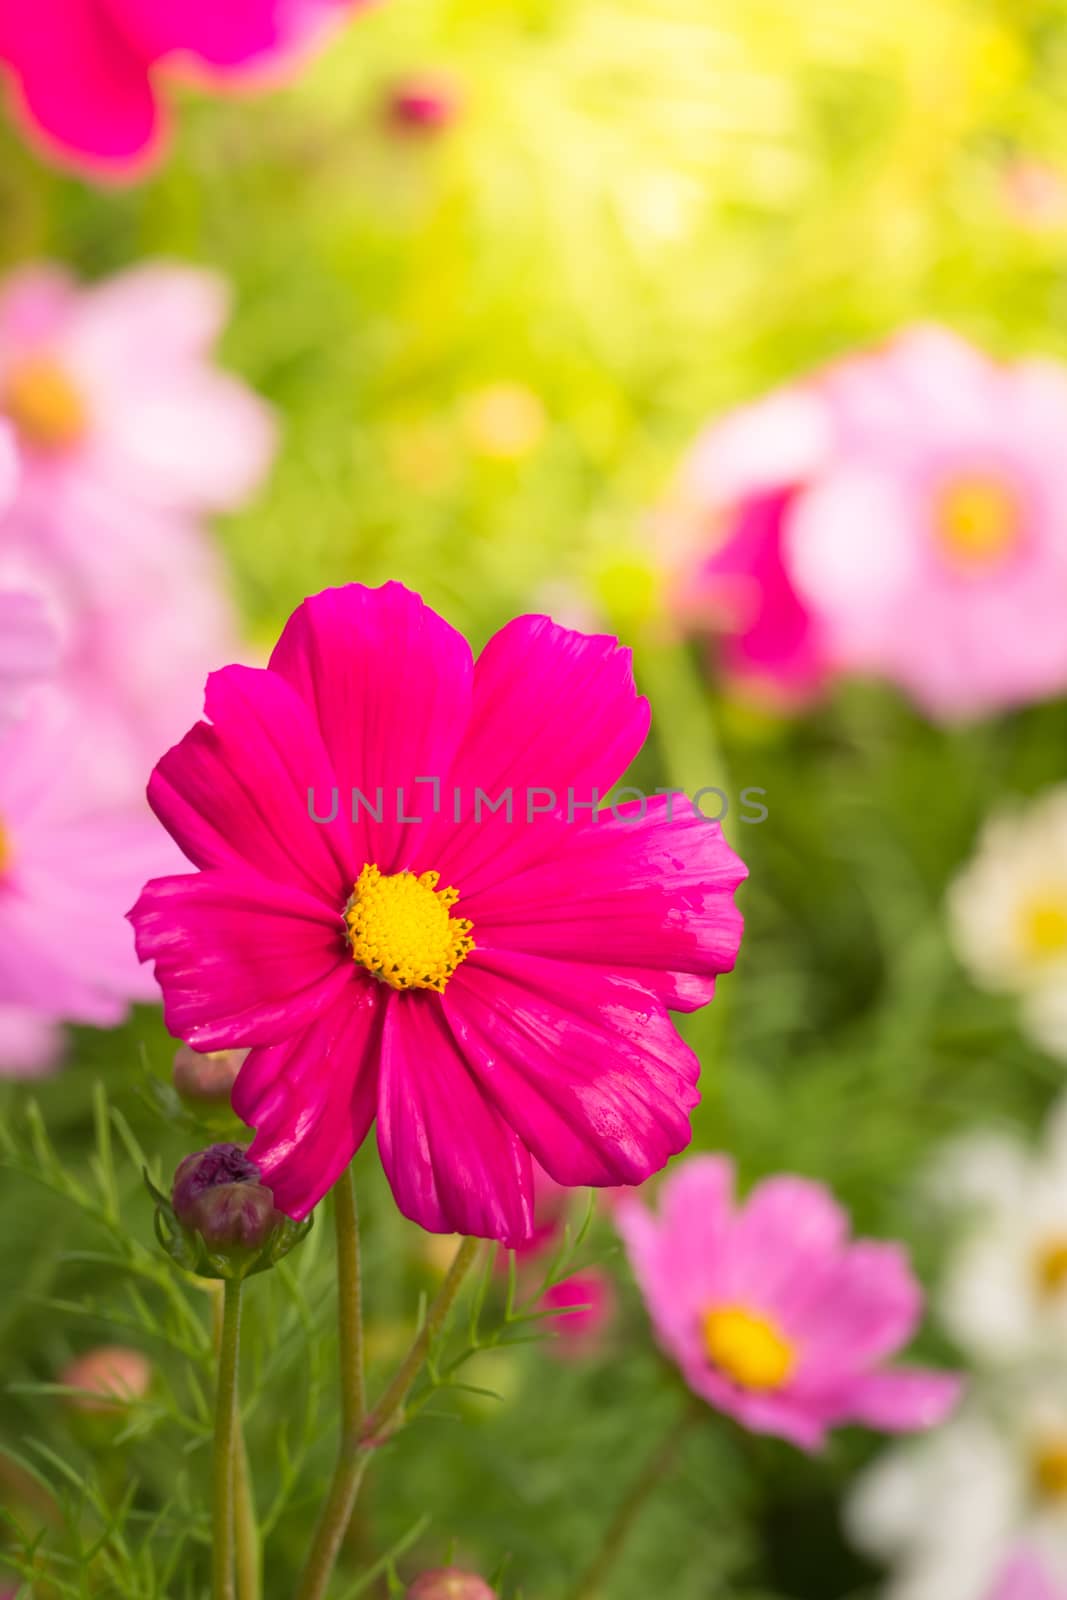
[1004, 1293]
[947, 1512]
[1008, 913]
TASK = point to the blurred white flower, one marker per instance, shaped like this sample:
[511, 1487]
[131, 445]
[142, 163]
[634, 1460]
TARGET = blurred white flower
[1004, 1294]
[947, 1512]
[1008, 914]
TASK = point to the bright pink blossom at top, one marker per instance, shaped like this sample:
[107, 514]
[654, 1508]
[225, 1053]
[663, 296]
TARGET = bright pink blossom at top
[1025, 1579]
[772, 1313]
[516, 1006]
[86, 75]
[903, 515]
[127, 433]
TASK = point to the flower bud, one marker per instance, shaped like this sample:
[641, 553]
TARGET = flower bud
[111, 1375]
[220, 1220]
[221, 1165]
[207, 1077]
[232, 1216]
[424, 103]
[449, 1583]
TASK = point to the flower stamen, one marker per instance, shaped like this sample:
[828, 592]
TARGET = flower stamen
[400, 928]
[44, 404]
[748, 1348]
[978, 524]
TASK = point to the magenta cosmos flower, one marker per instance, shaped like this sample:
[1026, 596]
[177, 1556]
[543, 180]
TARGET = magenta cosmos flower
[489, 987]
[903, 515]
[85, 75]
[772, 1314]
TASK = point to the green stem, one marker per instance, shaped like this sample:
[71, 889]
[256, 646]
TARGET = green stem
[226, 1434]
[349, 1302]
[249, 1554]
[633, 1503]
[361, 1433]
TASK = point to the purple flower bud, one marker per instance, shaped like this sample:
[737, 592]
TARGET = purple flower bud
[206, 1077]
[238, 1216]
[449, 1583]
[218, 1165]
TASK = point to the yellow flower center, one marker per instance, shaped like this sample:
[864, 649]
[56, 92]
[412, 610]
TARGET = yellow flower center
[401, 929]
[1050, 1266]
[978, 525]
[1044, 926]
[6, 851]
[1048, 1467]
[748, 1348]
[44, 404]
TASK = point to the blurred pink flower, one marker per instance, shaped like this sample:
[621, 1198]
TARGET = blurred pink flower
[904, 515]
[30, 1044]
[1035, 194]
[28, 648]
[580, 1332]
[772, 1313]
[67, 871]
[1025, 1579]
[723, 540]
[519, 1010]
[126, 433]
[85, 73]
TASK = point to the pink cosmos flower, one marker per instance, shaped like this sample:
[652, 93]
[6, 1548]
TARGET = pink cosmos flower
[772, 1314]
[724, 537]
[904, 515]
[1025, 1579]
[85, 74]
[126, 435]
[63, 866]
[28, 648]
[489, 989]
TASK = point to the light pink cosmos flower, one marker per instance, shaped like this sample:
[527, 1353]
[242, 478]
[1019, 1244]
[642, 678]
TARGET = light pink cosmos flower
[772, 1313]
[85, 75]
[66, 871]
[489, 989]
[28, 649]
[127, 433]
[903, 515]
[1025, 1579]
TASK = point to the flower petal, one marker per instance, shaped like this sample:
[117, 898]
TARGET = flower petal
[79, 84]
[553, 710]
[587, 1068]
[674, 1256]
[866, 1309]
[899, 1401]
[647, 898]
[313, 1097]
[240, 960]
[240, 792]
[389, 683]
[454, 1164]
[784, 1243]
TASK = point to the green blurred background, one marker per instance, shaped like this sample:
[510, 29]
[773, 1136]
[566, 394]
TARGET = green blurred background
[489, 346]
